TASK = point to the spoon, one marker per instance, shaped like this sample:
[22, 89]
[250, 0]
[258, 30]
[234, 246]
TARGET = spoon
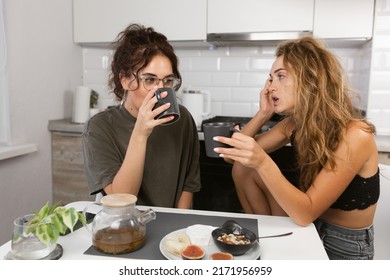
[276, 235]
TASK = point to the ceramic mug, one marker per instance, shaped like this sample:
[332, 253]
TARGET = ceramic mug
[213, 129]
[173, 110]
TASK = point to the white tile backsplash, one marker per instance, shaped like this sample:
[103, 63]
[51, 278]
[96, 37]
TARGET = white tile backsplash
[253, 79]
[97, 59]
[234, 64]
[245, 94]
[221, 94]
[224, 79]
[205, 64]
[95, 76]
[236, 109]
[234, 75]
[383, 22]
[382, 41]
[380, 99]
[381, 60]
[261, 63]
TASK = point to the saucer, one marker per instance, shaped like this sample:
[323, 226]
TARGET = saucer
[54, 255]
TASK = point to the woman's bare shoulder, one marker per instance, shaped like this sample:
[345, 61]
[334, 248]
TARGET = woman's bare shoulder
[362, 148]
[358, 131]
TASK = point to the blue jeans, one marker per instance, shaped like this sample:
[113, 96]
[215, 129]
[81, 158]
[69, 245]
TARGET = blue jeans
[346, 244]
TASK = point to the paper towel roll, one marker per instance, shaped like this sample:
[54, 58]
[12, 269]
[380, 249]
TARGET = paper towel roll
[81, 100]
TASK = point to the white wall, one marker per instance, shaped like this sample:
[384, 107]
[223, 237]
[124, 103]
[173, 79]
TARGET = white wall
[44, 68]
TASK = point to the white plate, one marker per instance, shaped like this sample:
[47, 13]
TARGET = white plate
[252, 254]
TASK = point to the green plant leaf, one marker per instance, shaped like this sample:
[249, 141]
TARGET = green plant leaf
[70, 217]
[93, 99]
[81, 218]
[43, 232]
[51, 221]
[57, 222]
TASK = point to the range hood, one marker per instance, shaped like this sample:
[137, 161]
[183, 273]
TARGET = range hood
[248, 38]
[273, 38]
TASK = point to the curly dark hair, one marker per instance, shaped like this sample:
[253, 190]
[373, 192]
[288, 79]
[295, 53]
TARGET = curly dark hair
[134, 48]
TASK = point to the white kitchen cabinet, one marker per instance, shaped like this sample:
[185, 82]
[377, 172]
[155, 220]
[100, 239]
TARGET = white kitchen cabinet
[100, 21]
[339, 19]
[259, 16]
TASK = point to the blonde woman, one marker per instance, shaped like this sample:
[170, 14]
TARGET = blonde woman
[337, 157]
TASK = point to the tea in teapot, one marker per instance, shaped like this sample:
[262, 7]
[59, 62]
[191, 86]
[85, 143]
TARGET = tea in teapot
[119, 228]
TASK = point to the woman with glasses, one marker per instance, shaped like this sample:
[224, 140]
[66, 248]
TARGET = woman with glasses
[127, 150]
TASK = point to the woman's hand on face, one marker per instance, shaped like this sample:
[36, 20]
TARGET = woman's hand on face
[266, 106]
[244, 150]
[146, 115]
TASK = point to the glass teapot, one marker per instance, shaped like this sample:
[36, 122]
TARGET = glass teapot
[119, 228]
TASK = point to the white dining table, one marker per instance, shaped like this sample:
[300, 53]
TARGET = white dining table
[303, 244]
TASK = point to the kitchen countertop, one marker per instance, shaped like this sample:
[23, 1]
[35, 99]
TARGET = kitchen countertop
[65, 125]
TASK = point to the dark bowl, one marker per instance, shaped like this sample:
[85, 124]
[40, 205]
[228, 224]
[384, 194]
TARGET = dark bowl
[233, 227]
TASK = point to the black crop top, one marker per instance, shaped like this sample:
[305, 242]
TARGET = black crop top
[360, 193]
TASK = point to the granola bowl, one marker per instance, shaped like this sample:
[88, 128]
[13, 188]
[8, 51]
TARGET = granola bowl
[233, 238]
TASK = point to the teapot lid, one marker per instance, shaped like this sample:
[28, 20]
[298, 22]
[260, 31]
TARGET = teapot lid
[118, 199]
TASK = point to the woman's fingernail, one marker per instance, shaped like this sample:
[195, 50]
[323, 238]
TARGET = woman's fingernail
[215, 138]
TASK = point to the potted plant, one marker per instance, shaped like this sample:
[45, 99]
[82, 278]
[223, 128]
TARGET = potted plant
[35, 235]
[93, 101]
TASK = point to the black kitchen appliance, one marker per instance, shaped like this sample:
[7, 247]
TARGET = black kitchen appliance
[218, 192]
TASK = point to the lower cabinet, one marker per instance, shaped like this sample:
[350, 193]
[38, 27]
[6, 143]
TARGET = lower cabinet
[69, 178]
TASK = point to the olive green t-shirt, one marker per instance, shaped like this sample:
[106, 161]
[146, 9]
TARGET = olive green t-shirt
[172, 155]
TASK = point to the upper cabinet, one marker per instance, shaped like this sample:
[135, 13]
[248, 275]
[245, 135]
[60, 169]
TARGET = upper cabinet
[259, 16]
[100, 21]
[345, 19]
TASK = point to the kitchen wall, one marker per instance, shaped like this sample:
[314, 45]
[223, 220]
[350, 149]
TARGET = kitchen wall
[235, 75]
[44, 68]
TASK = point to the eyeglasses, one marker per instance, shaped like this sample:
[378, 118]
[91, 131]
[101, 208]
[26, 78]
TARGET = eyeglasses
[150, 81]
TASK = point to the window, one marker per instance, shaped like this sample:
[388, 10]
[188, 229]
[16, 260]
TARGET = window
[6, 149]
[4, 104]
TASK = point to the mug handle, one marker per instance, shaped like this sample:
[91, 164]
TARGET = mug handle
[234, 129]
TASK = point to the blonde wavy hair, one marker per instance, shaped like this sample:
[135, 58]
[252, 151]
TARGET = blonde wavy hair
[323, 105]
